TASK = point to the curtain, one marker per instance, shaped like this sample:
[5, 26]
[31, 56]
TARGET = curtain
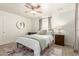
[49, 23]
[40, 24]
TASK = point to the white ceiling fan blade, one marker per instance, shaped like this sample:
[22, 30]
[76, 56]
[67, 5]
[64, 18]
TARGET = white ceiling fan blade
[30, 5]
[38, 6]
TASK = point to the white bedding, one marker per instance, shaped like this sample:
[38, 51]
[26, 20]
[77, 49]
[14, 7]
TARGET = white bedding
[47, 38]
[34, 44]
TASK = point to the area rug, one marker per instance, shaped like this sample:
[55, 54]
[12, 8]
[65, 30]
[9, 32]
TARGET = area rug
[25, 52]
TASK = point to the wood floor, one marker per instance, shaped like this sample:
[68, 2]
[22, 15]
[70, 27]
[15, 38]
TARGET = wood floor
[54, 50]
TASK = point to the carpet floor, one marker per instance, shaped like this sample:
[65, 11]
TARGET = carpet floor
[54, 50]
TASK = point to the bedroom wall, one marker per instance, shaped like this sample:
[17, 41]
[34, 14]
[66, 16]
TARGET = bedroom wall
[67, 20]
[78, 30]
[8, 31]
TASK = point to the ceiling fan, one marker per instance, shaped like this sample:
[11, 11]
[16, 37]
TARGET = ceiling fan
[30, 7]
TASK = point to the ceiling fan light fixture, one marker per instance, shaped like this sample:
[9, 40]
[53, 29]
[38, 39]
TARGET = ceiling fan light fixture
[33, 8]
[33, 12]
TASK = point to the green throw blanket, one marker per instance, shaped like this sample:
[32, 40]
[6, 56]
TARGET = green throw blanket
[41, 41]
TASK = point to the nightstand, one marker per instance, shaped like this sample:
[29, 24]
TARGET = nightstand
[59, 39]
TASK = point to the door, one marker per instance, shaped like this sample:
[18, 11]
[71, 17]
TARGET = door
[1, 26]
[8, 31]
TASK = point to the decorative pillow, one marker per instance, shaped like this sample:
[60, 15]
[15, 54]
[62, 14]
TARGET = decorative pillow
[50, 32]
[42, 32]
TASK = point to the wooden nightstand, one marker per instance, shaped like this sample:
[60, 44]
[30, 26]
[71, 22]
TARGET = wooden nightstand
[59, 39]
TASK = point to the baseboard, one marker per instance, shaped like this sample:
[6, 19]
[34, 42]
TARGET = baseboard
[76, 51]
[6, 43]
[69, 45]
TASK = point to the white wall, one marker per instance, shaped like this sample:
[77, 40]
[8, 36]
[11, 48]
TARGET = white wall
[67, 20]
[69, 29]
[78, 29]
[9, 28]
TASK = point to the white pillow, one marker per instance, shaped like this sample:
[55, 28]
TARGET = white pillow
[46, 32]
[42, 32]
[50, 32]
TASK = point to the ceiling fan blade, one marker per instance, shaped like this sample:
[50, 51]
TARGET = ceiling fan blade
[30, 5]
[38, 7]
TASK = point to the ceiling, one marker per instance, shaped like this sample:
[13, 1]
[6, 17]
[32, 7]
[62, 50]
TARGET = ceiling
[48, 8]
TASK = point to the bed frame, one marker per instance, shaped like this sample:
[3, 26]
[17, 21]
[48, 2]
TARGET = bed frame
[29, 49]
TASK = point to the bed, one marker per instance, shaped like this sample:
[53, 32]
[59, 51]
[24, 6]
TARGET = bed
[36, 42]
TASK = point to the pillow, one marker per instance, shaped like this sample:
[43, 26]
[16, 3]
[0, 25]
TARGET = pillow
[42, 32]
[50, 32]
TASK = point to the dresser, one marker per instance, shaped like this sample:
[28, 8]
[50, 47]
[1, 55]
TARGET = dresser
[59, 39]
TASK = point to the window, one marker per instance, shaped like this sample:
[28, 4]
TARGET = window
[44, 24]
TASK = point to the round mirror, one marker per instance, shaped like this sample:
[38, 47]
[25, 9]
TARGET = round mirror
[20, 24]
